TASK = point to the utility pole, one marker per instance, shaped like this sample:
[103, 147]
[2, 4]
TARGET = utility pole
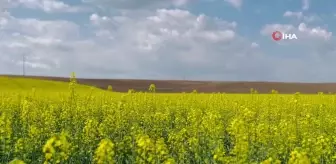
[23, 65]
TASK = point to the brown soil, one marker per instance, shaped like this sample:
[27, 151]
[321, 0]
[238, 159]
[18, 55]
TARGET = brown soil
[171, 86]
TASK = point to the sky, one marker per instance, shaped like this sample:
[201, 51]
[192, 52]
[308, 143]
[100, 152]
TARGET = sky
[222, 40]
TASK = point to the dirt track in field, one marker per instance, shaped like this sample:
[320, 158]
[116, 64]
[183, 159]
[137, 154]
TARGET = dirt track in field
[170, 86]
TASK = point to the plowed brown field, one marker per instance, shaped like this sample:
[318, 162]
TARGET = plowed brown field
[171, 86]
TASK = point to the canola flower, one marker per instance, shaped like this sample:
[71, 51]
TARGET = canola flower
[106, 127]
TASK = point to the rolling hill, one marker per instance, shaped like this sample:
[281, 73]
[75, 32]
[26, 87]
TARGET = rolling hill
[171, 86]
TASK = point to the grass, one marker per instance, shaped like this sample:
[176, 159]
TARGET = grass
[21, 84]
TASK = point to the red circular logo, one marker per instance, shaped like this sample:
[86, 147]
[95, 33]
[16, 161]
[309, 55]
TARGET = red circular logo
[277, 35]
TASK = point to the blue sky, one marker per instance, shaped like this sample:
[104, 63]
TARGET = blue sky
[170, 39]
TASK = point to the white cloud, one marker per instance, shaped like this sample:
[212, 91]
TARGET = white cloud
[305, 4]
[302, 31]
[235, 3]
[140, 41]
[49, 6]
[293, 14]
[4, 4]
[312, 18]
[316, 31]
[268, 29]
[36, 28]
[39, 40]
[307, 59]
[301, 17]
[135, 5]
[34, 65]
[254, 45]
[175, 36]
[165, 44]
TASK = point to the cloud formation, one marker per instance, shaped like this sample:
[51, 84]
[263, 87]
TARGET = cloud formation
[235, 3]
[165, 40]
[135, 5]
[305, 4]
[49, 6]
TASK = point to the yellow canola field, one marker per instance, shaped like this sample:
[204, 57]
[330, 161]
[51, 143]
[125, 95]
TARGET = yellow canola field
[82, 125]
